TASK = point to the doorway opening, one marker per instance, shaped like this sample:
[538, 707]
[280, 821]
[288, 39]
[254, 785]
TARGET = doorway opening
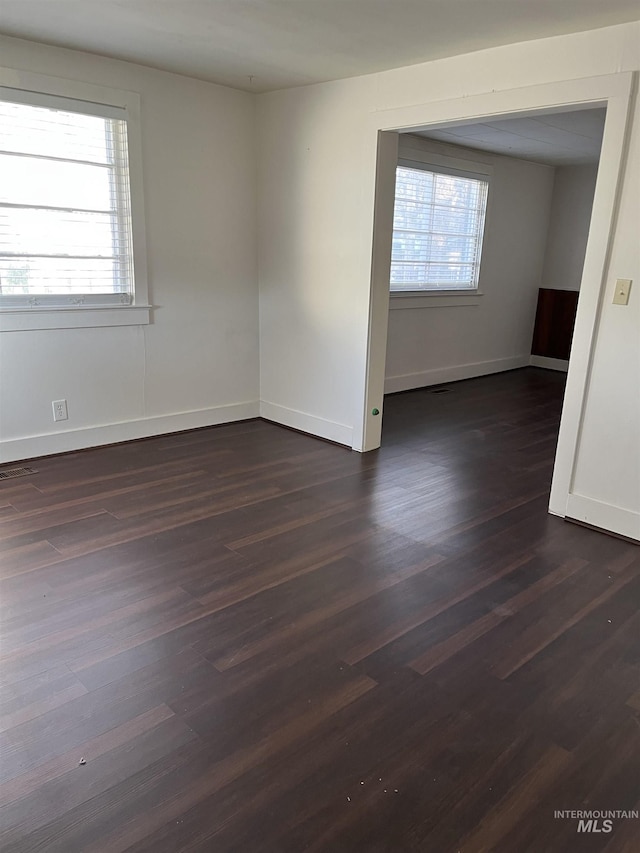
[466, 124]
[490, 229]
[489, 238]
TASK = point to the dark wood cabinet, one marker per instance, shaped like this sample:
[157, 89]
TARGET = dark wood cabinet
[555, 319]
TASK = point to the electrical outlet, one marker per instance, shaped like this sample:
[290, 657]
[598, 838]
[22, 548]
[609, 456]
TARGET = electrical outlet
[60, 410]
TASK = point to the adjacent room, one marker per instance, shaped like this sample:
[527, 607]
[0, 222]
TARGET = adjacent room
[490, 229]
[319, 426]
[501, 289]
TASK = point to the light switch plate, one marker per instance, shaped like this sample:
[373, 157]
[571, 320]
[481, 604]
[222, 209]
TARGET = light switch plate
[621, 295]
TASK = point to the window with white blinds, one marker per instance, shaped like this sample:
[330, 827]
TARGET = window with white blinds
[438, 226]
[65, 209]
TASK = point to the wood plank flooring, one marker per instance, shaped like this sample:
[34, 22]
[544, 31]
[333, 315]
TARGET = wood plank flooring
[259, 642]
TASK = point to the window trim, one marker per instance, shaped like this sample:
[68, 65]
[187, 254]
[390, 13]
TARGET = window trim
[137, 310]
[434, 299]
[412, 156]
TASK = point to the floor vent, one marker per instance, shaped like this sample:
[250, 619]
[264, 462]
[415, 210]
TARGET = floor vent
[10, 473]
[442, 391]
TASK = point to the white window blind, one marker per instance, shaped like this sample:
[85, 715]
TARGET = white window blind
[437, 230]
[65, 211]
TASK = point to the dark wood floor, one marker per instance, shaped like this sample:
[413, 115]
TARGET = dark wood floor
[262, 643]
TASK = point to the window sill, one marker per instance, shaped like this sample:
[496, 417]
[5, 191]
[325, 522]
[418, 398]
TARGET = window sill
[433, 299]
[34, 319]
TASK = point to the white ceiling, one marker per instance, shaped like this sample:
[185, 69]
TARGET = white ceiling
[283, 43]
[556, 139]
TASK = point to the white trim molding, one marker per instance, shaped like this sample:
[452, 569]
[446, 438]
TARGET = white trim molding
[35, 319]
[340, 433]
[31, 447]
[438, 375]
[549, 363]
[399, 301]
[616, 519]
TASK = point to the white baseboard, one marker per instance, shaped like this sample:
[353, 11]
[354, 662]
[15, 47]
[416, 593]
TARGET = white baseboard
[340, 433]
[78, 439]
[549, 363]
[452, 374]
[624, 522]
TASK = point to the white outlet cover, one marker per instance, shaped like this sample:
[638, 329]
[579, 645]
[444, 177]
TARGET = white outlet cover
[59, 410]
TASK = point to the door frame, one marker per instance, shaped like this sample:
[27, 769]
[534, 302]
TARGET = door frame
[612, 91]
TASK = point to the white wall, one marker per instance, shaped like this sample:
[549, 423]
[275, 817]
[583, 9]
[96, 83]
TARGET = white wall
[197, 363]
[428, 344]
[312, 238]
[317, 164]
[571, 205]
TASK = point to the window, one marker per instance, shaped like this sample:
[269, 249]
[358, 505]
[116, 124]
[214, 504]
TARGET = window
[66, 224]
[437, 230]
